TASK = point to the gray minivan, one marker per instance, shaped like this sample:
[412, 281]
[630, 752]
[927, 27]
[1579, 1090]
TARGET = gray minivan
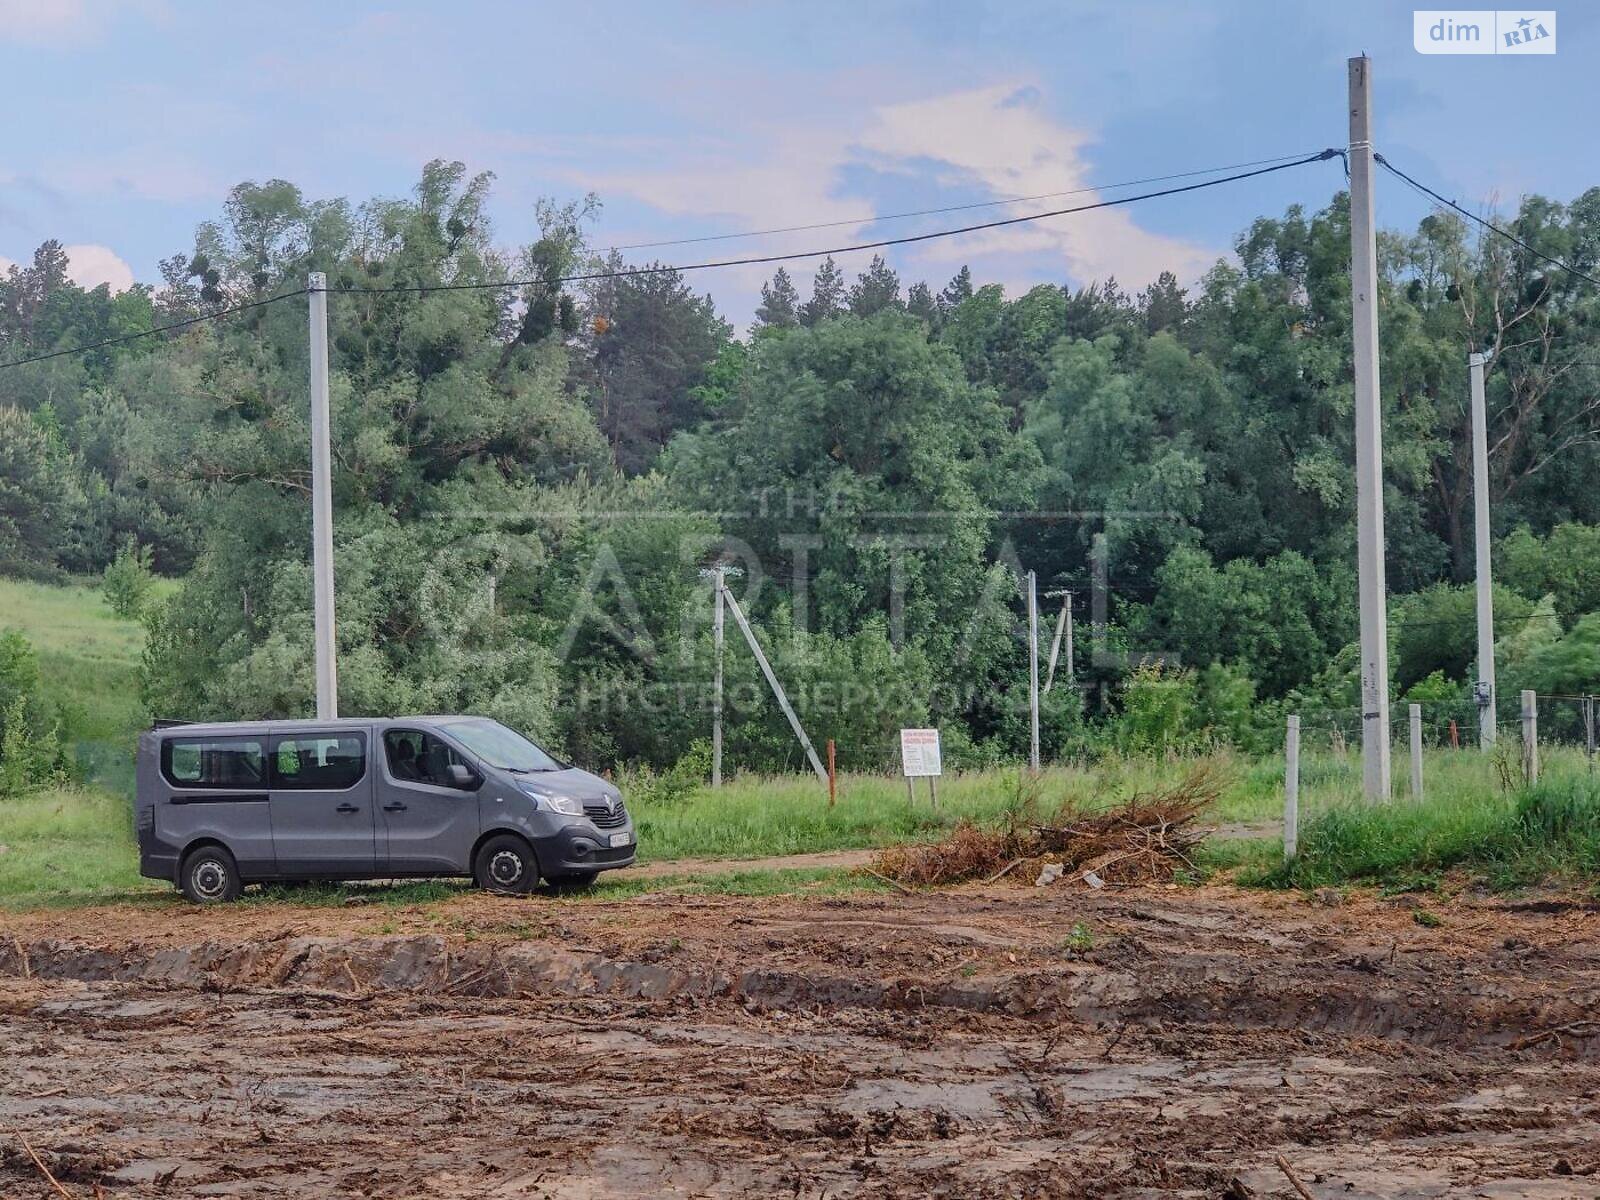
[222, 805]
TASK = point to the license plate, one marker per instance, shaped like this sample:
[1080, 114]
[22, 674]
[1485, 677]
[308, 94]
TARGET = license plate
[621, 839]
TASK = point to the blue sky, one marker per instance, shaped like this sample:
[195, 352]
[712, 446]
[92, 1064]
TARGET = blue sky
[126, 121]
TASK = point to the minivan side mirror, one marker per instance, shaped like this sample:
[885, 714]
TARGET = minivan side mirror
[462, 777]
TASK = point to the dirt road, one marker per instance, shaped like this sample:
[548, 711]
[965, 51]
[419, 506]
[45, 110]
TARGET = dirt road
[1008, 1042]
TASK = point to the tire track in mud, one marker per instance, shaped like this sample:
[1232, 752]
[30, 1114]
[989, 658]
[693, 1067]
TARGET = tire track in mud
[1199, 988]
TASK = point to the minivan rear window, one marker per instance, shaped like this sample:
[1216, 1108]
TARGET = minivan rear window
[319, 761]
[214, 762]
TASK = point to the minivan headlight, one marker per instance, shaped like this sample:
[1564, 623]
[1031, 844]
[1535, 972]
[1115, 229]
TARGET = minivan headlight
[550, 803]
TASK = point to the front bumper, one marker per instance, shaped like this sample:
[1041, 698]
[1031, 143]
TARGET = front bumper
[580, 848]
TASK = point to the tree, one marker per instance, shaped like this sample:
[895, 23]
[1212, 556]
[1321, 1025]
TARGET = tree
[875, 289]
[921, 303]
[827, 295]
[957, 291]
[1164, 304]
[846, 425]
[446, 444]
[38, 498]
[653, 341]
[780, 304]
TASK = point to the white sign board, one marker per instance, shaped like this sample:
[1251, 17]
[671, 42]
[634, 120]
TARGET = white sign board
[919, 752]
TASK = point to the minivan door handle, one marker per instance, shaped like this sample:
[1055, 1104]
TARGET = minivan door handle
[397, 806]
[347, 808]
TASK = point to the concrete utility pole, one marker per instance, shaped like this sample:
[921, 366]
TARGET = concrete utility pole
[718, 575]
[716, 684]
[322, 503]
[1480, 518]
[1033, 672]
[1369, 441]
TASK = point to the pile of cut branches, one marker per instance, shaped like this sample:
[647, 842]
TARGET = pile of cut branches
[1147, 837]
[968, 853]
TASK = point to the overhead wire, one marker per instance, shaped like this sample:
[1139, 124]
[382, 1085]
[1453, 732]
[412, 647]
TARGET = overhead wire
[1487, 224]
[754, 260]
[949, 208]
[158, 329]
[828, 252]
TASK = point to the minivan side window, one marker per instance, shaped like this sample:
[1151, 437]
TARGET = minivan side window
[319, 761]
[214, 762]
[417, 757]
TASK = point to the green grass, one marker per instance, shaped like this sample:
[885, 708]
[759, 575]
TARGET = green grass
[89, 670]
[1549, 830]
[755, 816]
[72, 844]
[75, 844]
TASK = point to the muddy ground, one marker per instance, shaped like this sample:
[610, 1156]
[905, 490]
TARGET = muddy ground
[1009, 1041]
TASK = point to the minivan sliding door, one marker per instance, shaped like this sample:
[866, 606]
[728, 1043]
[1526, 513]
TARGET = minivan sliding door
[322, 818]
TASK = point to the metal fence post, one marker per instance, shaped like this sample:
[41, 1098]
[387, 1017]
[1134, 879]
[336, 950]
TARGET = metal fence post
[1415, 713]
[1530, 737]
[1291, 790]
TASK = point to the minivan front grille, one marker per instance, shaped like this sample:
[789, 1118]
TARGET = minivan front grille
[606, 816]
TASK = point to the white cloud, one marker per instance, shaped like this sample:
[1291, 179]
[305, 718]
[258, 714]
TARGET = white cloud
[90, 266]
[5, 264]
[1001, 139]
[997, 141]
[42, 20]
[57, 21]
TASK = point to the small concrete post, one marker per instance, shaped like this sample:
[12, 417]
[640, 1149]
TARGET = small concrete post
[1530, 737]
[1291, 789]
[1416, 751]
[1588, 730]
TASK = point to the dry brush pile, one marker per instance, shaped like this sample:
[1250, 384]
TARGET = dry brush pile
[1147, 837]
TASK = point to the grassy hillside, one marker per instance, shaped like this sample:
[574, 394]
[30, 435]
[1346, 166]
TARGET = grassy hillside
[76, 840]
[89, 666]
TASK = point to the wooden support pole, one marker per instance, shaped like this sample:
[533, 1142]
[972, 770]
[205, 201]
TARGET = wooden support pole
[777, 688]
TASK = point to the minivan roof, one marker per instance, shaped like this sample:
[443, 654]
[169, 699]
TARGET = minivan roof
[277, 725]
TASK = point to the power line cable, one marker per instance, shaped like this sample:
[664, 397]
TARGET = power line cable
[909, 239]
[929, 212]
[144, 333]
[631, 272]
[1487, 224]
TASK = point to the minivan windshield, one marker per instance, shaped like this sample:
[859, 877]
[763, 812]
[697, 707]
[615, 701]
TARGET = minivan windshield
[501, 747]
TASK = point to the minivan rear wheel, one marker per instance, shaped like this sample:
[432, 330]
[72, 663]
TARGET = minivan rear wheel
[505, 864]
[210, 876]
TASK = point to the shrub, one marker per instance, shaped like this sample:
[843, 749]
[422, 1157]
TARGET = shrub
[1159, 709]
[30, 760]
[128, 582]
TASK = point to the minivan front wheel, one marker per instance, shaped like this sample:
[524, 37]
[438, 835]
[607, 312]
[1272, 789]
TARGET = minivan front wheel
[505, 864]
[210, 876]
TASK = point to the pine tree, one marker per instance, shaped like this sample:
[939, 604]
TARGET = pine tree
[780, 304]
[876, 289]
[957, 290]
[827, 295]
[1164, 303]
[921, 304]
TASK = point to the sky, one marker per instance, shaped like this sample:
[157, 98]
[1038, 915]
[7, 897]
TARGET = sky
[125, 122]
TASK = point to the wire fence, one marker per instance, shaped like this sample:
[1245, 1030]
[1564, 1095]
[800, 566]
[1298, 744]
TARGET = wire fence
[1445, 751]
